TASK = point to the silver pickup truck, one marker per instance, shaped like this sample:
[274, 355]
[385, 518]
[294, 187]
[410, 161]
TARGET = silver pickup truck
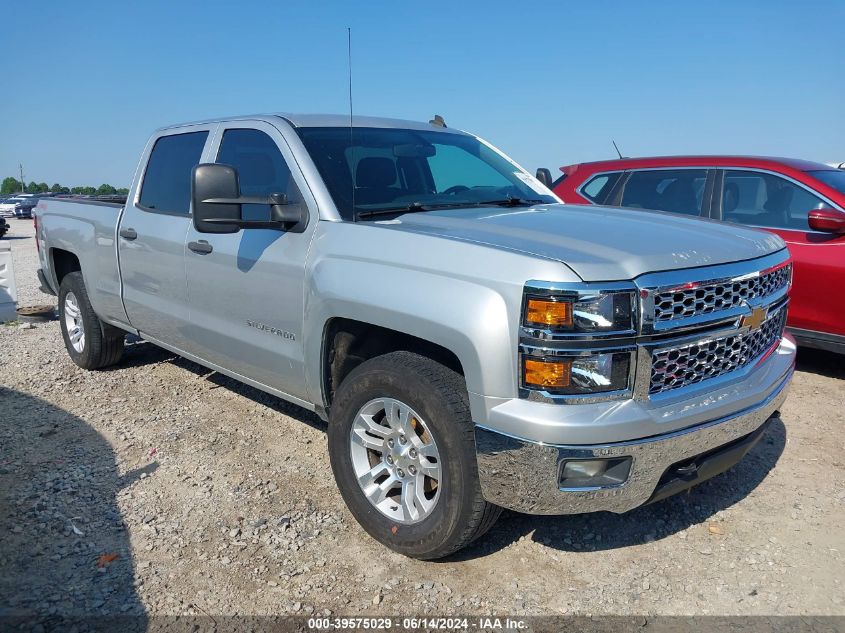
[473, 344]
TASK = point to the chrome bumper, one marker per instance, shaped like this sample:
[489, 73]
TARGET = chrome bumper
[524, 476]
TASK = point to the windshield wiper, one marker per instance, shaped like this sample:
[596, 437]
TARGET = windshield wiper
[510, 202]
[417, 206]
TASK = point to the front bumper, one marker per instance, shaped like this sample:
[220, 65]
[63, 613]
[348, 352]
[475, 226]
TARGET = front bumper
[523, 475]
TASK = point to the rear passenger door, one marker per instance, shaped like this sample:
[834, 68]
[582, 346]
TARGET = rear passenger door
[246, 289]
[151, 235]
[766, 200]
[686, 191]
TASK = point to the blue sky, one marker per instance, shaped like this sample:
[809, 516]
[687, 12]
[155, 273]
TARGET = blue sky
[550, 83]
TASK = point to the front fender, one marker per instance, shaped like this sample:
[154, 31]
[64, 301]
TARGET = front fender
[469, 319]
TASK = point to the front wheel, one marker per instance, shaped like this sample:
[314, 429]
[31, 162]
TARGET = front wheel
[90, 343]
[402, 449]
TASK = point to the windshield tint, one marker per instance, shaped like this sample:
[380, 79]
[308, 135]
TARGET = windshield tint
[832, 178]
[397, 168]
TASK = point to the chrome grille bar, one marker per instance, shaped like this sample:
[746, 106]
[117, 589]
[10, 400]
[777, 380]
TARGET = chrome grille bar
[688, 364]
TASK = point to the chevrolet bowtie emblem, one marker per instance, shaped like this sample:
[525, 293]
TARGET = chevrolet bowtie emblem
[754, 320]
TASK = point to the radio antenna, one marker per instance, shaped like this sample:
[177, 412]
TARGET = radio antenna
[352, 167]
[611, 140]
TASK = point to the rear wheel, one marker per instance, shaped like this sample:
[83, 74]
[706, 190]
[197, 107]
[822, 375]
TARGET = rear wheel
[90, 343]
[402, 449]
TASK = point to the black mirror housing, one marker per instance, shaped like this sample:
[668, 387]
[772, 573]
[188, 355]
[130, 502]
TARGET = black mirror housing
[545, 176]
[214, 181]
[216, 199]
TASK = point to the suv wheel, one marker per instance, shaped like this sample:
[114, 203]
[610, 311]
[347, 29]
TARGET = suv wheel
[90, 343]
[402, 449]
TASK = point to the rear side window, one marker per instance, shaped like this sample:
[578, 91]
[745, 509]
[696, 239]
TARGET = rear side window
[167, 181]
[262, 169]
[675, 190]
[598, 188]
[762, 199]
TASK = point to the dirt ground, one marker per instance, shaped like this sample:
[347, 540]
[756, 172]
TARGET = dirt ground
[159, 487]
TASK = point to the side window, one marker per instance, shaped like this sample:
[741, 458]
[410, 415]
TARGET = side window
[675, 190]
[759, 199]
[600, 186]
[262, 169]
[167, 181]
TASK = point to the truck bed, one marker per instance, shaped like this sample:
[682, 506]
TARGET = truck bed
[84, 231]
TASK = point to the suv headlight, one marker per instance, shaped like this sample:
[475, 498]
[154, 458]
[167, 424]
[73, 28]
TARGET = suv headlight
[580, 312]
[583, 373]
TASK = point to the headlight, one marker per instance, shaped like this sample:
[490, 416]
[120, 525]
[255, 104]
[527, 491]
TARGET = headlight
[581, 374]
[580, 312]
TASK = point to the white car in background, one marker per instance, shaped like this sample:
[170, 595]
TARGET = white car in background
[7, 206]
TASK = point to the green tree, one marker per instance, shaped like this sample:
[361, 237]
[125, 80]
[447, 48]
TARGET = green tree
[89, 191]
[57, 188]
[10, 185]
[106, 190]
[32, 187]
[123, 191]
[76, 190]
[43, 187]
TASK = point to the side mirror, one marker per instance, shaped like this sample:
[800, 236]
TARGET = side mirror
[827, 220]
[214, 182]
[545, 176]
[216, 198]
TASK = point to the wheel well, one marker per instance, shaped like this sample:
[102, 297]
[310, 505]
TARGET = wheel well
[348, 343]
[64, 262]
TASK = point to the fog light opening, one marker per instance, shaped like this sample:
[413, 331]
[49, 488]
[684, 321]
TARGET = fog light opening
[594, 473]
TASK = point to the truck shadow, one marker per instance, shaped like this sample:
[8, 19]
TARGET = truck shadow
[821, 362]
[139, 353]
[604, 530]
[64, 548]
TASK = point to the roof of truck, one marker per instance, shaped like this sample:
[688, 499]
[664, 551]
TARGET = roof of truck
[325, 120]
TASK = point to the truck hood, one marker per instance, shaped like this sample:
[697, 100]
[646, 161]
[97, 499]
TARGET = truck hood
[597, 243]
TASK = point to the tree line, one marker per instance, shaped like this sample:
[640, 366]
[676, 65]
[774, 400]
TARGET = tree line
[13, 185]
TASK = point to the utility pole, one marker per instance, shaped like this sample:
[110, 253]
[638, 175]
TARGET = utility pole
[23, 186]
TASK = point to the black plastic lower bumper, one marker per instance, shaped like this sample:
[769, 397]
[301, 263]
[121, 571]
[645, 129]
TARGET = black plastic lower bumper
[691, 472]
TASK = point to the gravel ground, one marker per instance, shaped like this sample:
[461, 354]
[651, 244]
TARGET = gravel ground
[159, 487]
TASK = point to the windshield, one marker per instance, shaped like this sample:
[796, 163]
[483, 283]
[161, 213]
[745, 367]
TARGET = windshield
[401, 170]
[832, 178]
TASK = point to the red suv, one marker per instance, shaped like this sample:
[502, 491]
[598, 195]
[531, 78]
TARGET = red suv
[803, 202]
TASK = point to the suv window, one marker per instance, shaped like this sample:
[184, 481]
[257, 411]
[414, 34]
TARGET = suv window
[600, 186]
[675, 190]
[262, 169]
[167, 181]
[759, 199]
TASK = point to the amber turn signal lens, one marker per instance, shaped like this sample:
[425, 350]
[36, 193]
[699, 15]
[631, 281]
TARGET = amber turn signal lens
[551, 313]
[540, 373]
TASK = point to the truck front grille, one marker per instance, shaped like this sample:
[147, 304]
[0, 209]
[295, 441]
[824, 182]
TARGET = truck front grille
[674, 367]
[707, 298]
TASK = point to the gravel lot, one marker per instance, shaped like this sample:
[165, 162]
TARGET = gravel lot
[160, 487]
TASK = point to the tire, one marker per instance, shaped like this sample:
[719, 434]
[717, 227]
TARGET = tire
[438, 404]
[101, 344]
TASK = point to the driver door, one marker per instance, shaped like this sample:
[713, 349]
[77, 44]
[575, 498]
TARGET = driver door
[245, 289]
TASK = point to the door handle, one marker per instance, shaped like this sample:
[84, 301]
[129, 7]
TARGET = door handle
[202, 247]
[128, 234]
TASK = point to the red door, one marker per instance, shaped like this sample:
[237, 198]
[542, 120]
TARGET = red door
[781, 205]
